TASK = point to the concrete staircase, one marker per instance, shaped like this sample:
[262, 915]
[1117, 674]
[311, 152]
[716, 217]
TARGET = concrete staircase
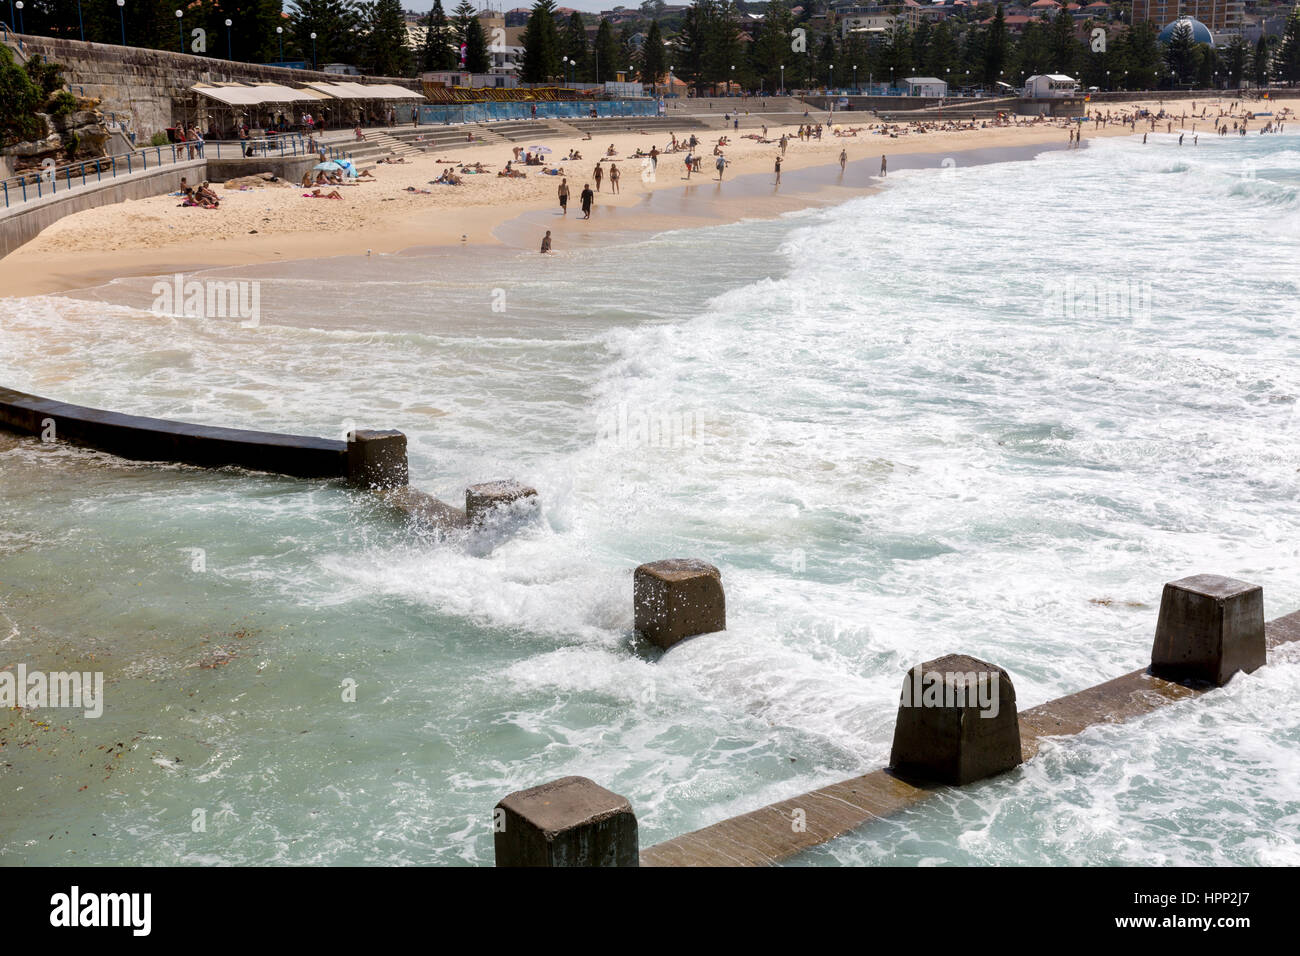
[651, 124]
[389, 143]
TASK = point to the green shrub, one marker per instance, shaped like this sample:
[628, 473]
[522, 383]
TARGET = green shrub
[47, 76]
[159, 139]
[71, 143]
[61, 103]
[19, 100]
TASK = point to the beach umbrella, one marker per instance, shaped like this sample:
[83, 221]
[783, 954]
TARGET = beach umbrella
[539, 149]
[328, 166]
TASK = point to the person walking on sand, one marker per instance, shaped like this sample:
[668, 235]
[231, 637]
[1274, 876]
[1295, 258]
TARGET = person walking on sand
[778, 171]
[586, 196]
[546, 242]
[599, 173]
[564, 197]
[721, 165]
[844, 158]
[654, 157]
[614, 176]
[785, 141]
[883, 165]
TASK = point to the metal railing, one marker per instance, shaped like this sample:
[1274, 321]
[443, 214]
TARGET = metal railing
[9, 35]
[50, 179]
[289, 144]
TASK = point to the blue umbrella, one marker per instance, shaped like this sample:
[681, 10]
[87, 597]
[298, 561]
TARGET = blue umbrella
[328, 165]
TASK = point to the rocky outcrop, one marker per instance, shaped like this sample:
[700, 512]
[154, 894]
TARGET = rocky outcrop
[80, 134]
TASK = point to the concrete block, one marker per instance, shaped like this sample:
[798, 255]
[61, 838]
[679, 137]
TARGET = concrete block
[1210, 627]
[957, 722]
[568, 822]
[482, 499]
[676, 599]
[377, 459]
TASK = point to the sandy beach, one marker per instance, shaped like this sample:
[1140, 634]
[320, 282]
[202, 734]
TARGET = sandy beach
[278, 222]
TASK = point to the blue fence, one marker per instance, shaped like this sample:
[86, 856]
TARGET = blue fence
[496, 112]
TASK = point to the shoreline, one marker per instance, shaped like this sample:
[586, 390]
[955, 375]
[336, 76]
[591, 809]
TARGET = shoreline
[672, 202]
[270, 225]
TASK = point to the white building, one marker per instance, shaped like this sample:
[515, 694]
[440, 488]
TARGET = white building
[1051, 86]
[924, 86]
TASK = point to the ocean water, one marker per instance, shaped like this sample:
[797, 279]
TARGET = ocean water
[989, 410]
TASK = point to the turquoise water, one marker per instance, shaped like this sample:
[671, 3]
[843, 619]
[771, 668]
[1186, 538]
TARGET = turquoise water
[878, 419]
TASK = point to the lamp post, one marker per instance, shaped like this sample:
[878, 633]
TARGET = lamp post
[122, 16]
[180, 27]
[81, 24]
[313, 51]
[855, 79]
[19, 5]
[831, 80]
[783, 79]
[733, 79]
[279, 32]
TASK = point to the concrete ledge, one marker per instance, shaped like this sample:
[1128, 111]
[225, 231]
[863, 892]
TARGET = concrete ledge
[778, 831]
[154, 439]
[425, 510]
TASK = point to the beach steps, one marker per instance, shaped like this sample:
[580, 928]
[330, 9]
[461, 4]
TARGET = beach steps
[967, 109]
[516, 131]
[633, 124]
[389, 143]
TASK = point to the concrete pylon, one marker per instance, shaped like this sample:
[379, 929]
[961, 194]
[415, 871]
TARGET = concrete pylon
[1210, 627]
[568, 822]
[377, 459]
[676, 599]
[957, 722]
[483, 499]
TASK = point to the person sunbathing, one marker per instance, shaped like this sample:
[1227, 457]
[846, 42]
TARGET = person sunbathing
[611, 151]
[316, 194]
[365, 174]
[204, 193]
[427, 192]
[448, 178]
[306, 180]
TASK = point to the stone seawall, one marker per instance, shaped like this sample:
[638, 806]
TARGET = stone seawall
[150, 87]
[23, 222]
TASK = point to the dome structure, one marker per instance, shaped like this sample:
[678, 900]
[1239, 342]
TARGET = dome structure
[1200, 32]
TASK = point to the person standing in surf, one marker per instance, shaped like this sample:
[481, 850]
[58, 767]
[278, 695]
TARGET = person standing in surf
[587, 196]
